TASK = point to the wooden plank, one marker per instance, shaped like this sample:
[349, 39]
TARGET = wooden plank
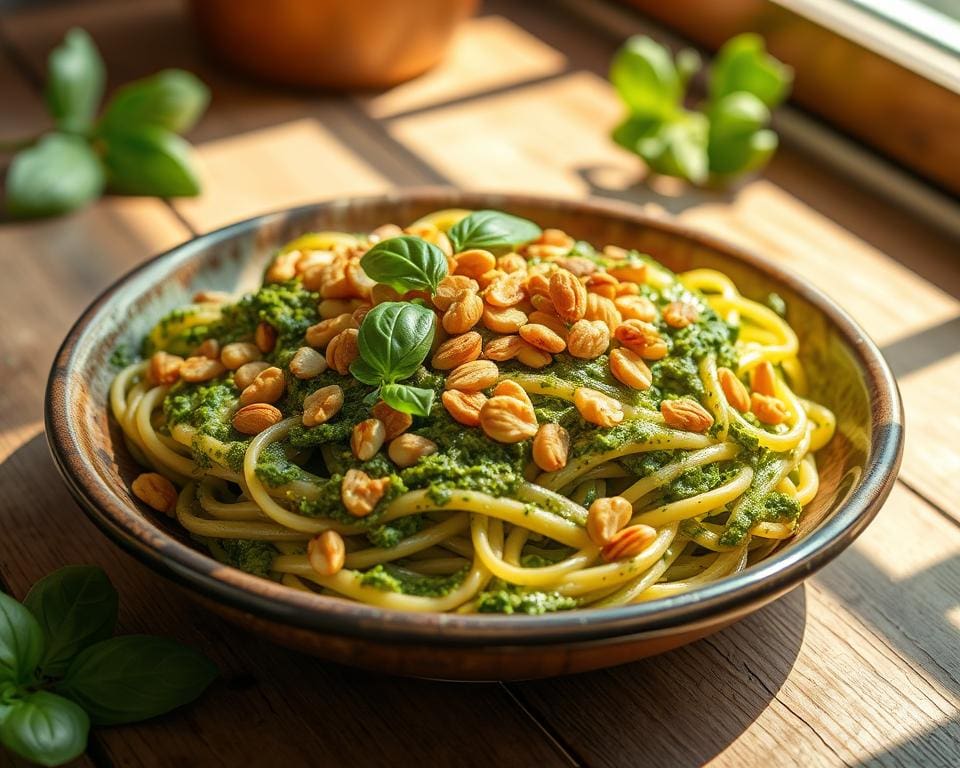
[488, 52]
[860, 666]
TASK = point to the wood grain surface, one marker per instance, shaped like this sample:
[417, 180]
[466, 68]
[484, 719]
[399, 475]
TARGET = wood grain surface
[861, 666]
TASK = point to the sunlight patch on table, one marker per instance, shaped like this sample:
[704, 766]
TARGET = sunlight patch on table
[273, 168]
[487, 52]
[546, 138]
[931, 460]
[890, 300]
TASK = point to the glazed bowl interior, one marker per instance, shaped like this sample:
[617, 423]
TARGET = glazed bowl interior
[847, 374]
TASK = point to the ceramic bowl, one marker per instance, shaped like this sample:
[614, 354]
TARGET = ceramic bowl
[858, 467]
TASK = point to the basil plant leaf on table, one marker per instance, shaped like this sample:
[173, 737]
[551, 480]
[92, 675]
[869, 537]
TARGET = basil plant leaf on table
[726, 136]
[133, 148]
[60, 669]
[75, 77]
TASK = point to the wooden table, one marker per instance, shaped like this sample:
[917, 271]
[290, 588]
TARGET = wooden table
[860, 666]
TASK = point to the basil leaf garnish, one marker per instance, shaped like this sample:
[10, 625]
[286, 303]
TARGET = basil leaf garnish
[493, 231]
[45, 728]
[135, 677]
[416, 401]
[395, 338]
[75, 607]
[405, 263]
[363, 371]
[21, 642]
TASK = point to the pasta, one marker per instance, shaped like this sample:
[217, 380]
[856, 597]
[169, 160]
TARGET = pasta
[473, 414]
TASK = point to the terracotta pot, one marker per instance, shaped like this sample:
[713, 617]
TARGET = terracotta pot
[330, 43]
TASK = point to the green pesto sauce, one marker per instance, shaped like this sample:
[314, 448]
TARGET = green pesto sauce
[636, 431]
[595, 374]
[739, 435]
[648, 462]
[339, 428]
[205, 406]
[752, 507]
[274, 468]
[699, 480]
[467, 460]
[177, 333]
[254, 557]
[288, 307]
[509, 598]
[390, 534]
[393, 578]
[708, 335]
[122, 356]
[676, 377]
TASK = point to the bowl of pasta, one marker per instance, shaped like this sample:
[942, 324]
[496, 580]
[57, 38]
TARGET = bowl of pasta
[473, 436]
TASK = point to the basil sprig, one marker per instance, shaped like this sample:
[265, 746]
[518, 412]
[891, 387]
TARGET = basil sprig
[134, 148]
[728, 136]
[394, 340]
[406, 263]
[60, 670]
[493, 231]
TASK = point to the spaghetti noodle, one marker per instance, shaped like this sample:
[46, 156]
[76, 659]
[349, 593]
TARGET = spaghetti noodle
[580, 428]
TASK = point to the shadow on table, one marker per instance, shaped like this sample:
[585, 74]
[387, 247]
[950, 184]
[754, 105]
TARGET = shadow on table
[681, 708]
[661, 193]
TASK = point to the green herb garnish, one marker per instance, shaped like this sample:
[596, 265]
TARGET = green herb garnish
[493, 231]
[395, 338]
[406, 263]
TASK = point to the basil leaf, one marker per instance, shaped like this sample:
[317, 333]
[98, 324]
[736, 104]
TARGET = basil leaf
[413, 400]
[739, 140]
[405, 263]
[74, 82]
[395, 338]
[645, 77]
[76, 607]
[135, 677]
[173, 99]
[60, 173]
[21, 642]
[149, 160]
[45, 728]
[363, 371]
[493, 231]
[743, 64]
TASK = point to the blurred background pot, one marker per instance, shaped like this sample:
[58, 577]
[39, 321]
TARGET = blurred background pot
[330, 43]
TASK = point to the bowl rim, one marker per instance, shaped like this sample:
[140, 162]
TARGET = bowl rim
[266, 599]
